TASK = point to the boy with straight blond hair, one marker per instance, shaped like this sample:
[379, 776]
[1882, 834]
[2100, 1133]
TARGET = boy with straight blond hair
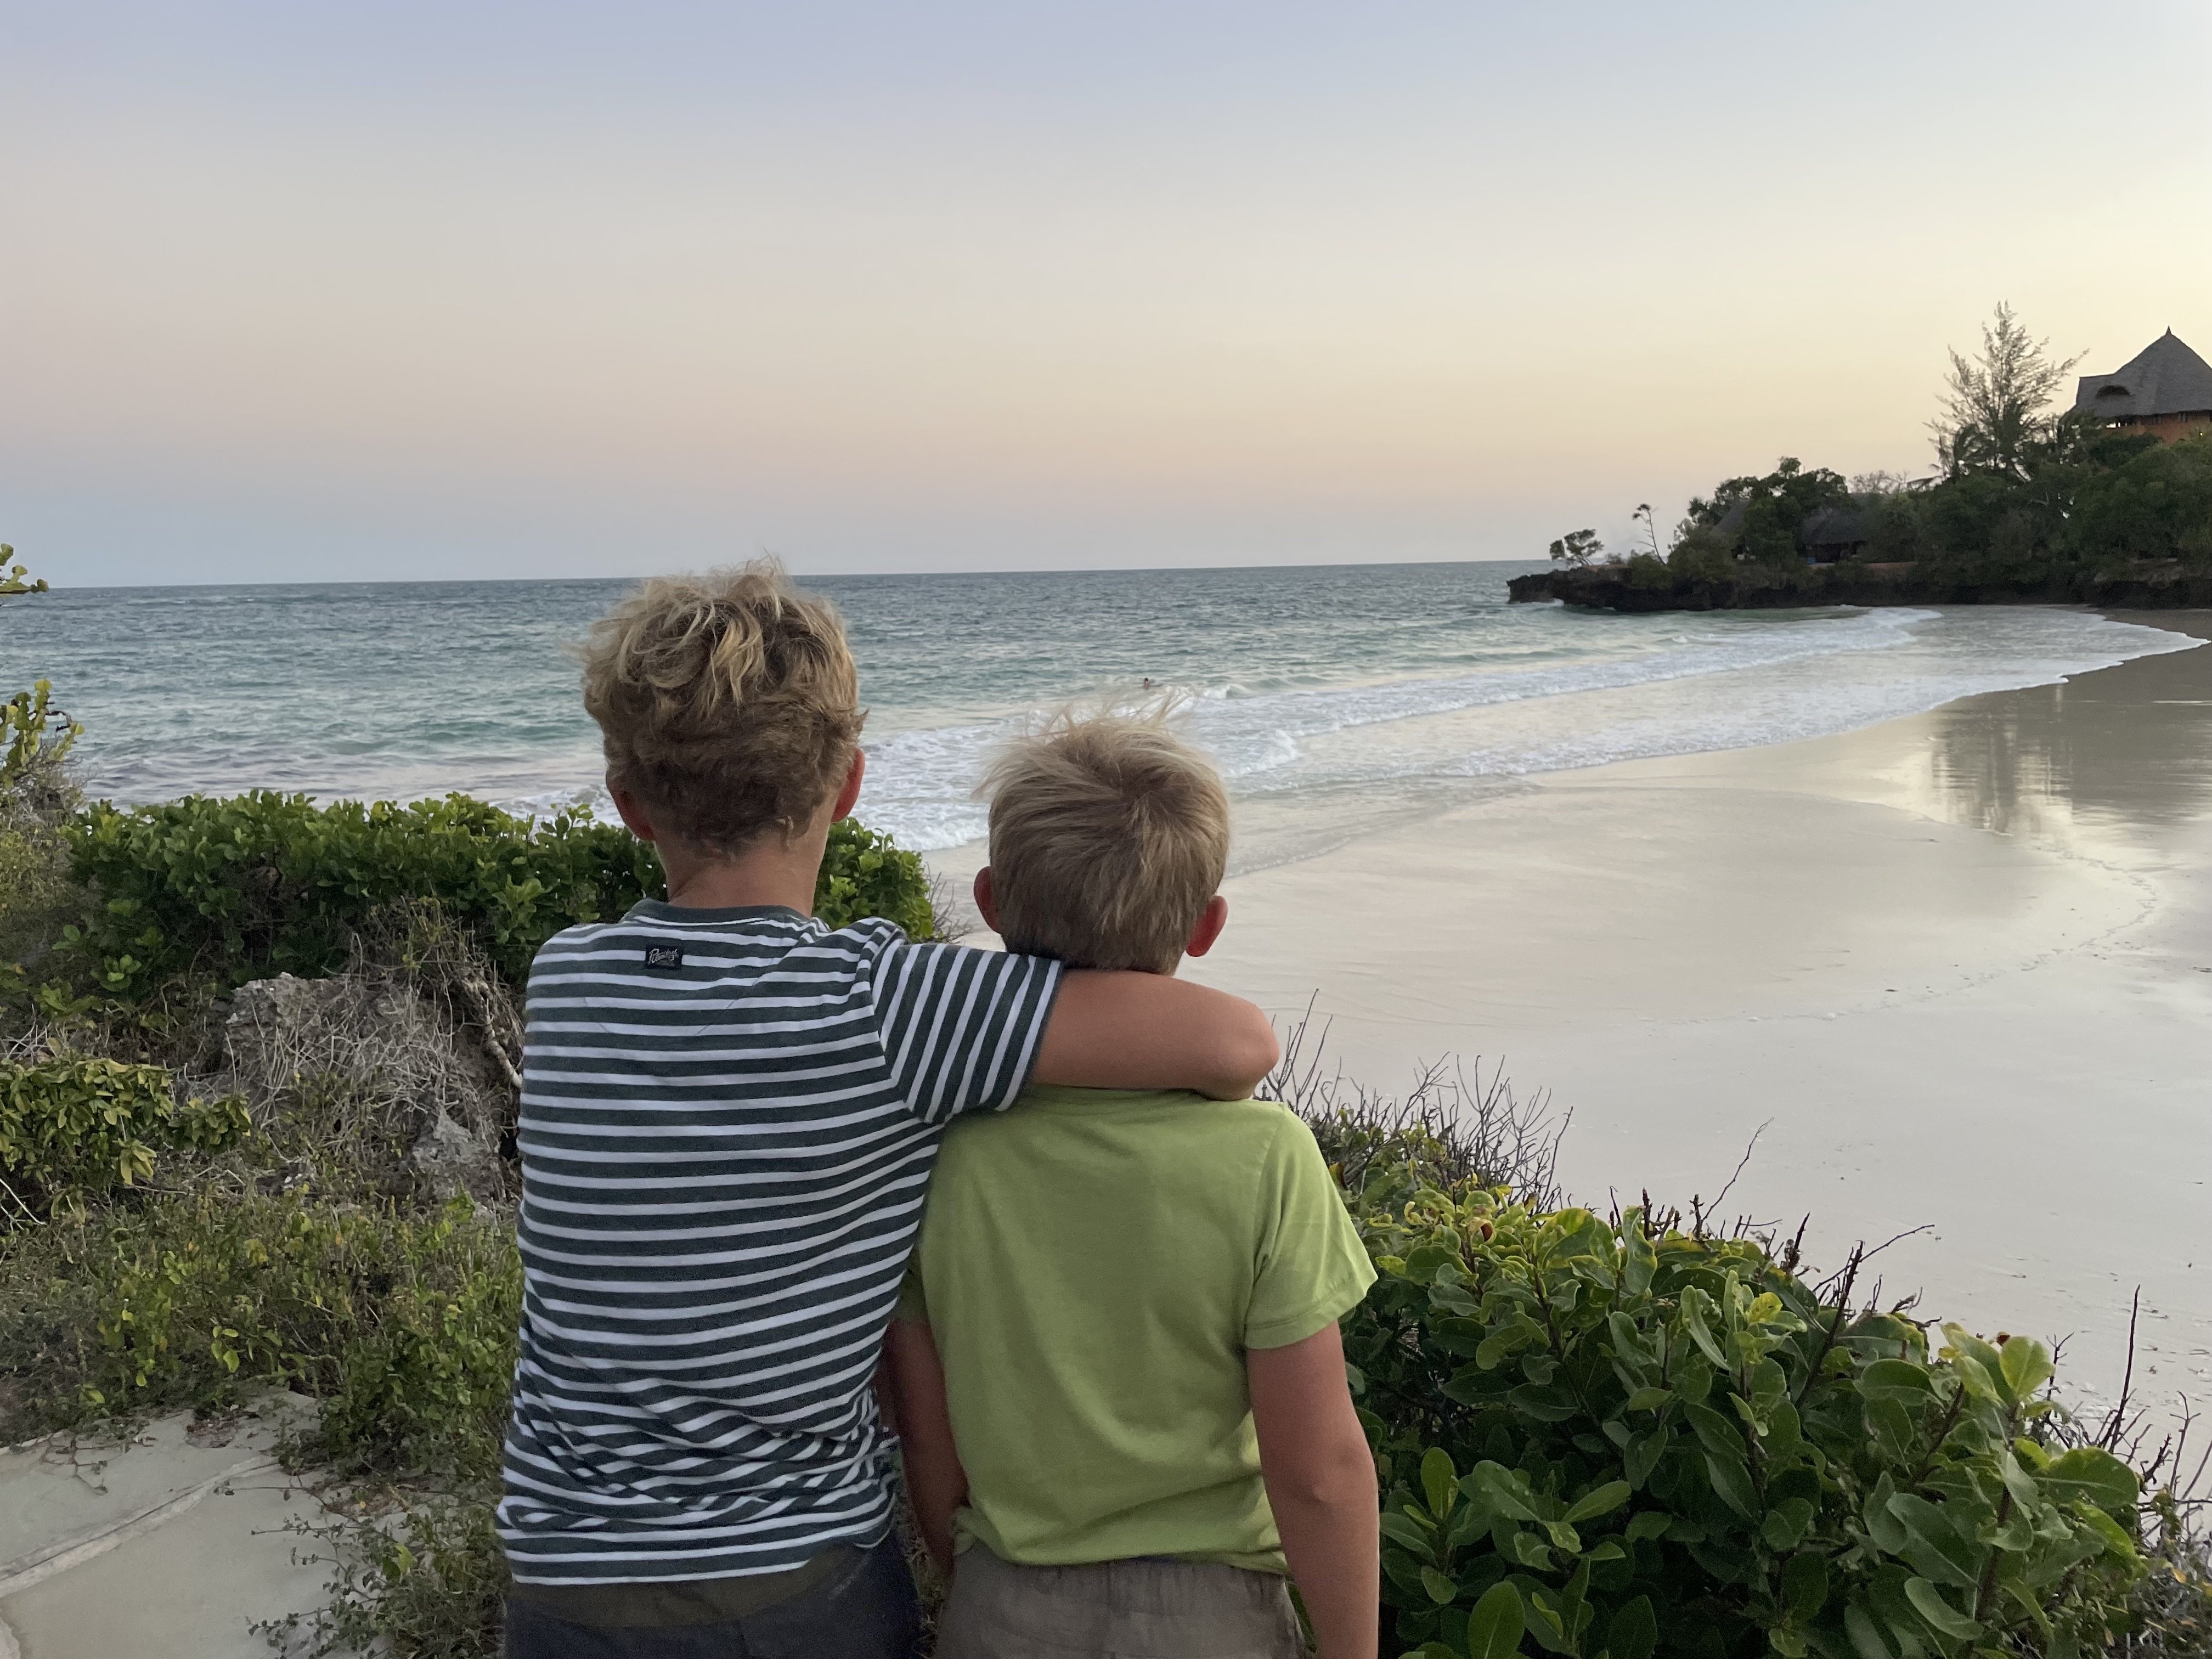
[729, 1116]
[1119, 1384]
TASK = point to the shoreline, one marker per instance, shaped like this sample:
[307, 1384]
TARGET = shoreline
[1958, 963]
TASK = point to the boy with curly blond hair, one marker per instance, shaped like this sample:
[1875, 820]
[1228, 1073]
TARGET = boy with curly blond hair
[730, 1113]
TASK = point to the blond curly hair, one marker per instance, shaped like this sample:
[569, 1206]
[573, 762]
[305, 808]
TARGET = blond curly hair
[728, 703]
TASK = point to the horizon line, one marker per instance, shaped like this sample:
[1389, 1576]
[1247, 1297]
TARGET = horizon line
[801, 578]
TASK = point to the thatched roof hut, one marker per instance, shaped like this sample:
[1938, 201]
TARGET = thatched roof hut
[2166, 389]
[1838, 533]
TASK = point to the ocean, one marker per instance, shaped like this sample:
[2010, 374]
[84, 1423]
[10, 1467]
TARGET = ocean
[1334, 699]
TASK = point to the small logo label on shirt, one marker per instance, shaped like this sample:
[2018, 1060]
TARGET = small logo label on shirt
[664, 955]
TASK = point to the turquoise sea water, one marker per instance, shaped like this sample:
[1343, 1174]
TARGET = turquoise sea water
[1332, 698]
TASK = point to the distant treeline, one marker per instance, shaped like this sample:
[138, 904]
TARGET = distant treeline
[2025, 504]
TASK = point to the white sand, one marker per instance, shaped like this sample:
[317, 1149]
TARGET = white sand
[1959, 965]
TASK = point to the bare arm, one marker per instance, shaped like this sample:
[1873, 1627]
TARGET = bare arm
[1130, 1031]
[935, 1480]
[1321, 1484]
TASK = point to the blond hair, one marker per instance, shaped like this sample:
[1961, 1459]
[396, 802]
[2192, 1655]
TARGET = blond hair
[728, 703]
[1108, 837]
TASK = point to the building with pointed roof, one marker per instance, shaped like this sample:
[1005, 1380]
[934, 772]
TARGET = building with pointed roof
[2164, 390]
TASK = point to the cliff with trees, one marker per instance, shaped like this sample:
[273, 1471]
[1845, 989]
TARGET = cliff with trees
[2027, 504]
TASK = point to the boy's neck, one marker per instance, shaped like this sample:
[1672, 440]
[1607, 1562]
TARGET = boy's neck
[771, 872]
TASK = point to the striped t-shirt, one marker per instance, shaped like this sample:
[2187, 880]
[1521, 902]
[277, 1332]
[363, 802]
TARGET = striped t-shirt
[728, 1120]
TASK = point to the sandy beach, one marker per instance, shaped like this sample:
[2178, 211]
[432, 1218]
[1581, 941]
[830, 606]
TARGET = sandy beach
[1956, 967]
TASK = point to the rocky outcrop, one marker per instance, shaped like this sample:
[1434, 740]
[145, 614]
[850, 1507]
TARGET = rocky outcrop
[2162, 585]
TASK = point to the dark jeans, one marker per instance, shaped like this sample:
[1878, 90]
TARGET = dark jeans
[865, 1609]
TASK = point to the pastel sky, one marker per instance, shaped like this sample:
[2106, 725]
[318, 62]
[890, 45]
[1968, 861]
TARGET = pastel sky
[305, 291]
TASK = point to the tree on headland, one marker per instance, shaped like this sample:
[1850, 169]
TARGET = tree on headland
[1578, 547]
[2032, 500]
[14, 579]
[1643, 516]
[1757, 520]
[1996, 406]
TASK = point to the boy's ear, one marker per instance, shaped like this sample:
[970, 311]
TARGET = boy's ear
[1210, 924]
[986, 900]
[848, 794]
[633, 815]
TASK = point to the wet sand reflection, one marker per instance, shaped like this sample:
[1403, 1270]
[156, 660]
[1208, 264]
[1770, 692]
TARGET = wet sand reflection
[2124, 749]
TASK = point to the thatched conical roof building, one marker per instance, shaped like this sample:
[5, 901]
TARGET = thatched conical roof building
[2166, 389]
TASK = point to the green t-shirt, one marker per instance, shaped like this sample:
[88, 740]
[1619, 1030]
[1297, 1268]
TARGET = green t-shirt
[1093, 1265]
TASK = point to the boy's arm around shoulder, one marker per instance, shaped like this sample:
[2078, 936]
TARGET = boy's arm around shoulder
[1131, 1030]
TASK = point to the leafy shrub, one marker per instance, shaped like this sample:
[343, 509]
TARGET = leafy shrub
[265, 882]
[427, 1384]
[35, 737]
[37, 899]
[1703, 555]
[73, 1128]
[867, 873]
[37, 794]
[402, 1324]
[1773, 510]
[2157, 505]
[422, 1579]
[1663, 1443]
[254, 884]
[1896, 526]
[15, 579]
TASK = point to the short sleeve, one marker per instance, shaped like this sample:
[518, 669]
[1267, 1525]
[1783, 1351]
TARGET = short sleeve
[960, 1027]
[1311, 1269]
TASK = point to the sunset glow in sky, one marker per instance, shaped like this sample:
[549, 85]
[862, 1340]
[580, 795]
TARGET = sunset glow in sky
[299, 291]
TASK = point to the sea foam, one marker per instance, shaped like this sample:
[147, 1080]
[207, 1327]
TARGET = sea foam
[1732, 683]
[1333, 699]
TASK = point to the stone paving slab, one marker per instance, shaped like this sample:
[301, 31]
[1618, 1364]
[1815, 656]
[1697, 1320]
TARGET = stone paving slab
[167, 1544]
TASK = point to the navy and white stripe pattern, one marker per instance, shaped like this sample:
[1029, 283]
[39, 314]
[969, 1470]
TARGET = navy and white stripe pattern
[728, 1120]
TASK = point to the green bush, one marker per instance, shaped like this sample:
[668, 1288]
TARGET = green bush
[35, 737]
[401, 1324]
[1662, 1443]
[249, 885]
[404, 1325]
[418, 1577]
[243, 887]
[2157, 505]
[71, 1129]
[1702, 556]
[867, 873]
[37, 899]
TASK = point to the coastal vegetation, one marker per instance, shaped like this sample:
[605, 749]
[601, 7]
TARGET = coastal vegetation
[2026, 503]
[257, 1087]
[257, 1092]
[1642, 1431]
[1636, 1427]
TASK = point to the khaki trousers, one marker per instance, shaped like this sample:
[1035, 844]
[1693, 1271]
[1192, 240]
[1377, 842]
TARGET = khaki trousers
[1149, 1608]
